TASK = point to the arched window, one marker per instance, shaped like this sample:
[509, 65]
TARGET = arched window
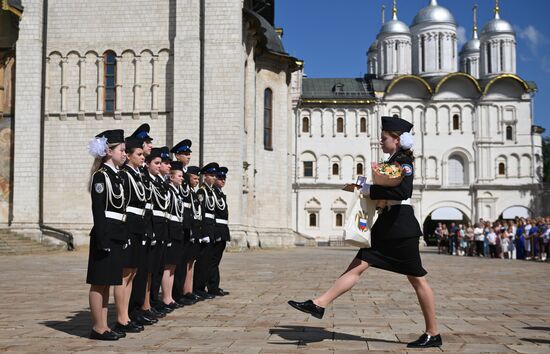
[268, 119]
[509, 133]
[501, 169]
[312, 220]
[335, 169]
[456, 171]
[395, 116]
[109, 101]
[363, 125]
[339, 220]
[359, 169]
[340, 125]
[305, 125]
[456, 122]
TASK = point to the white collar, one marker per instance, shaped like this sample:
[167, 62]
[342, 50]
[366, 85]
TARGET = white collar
[115, 170]
[136, 170]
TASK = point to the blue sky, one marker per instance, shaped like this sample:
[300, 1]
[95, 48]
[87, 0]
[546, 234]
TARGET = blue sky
[332, 36]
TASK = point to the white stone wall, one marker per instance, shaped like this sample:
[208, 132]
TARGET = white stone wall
[479, 143]
[157, 47]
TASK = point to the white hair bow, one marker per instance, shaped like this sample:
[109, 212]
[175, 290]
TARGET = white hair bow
[406, 141]
[97, 147]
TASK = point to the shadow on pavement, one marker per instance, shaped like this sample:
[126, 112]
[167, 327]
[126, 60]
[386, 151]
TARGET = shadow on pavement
[77, 324]
[303, 335]
[538, 328]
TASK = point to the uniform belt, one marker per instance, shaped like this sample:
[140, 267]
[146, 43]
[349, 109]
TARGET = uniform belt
[221, 221]
[114, 215]
[174, 218]
[162, 214]
[136, 211]
[210, 216]
[398, 202]
[187, 205]
[149, 206]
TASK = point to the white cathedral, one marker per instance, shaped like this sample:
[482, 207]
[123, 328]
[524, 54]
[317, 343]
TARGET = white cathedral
[478, 154]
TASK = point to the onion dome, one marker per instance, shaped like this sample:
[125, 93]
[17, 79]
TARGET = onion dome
[433, 13]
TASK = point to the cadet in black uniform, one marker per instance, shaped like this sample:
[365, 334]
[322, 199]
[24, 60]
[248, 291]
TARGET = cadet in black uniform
[108, 236]
[161, 209]
[395, 237]
[140, 284]
[174, 253]
[207, 199]
[192, 222]
[222, 234]
[135, 197]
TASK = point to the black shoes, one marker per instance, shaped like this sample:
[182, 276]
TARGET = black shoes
[107, 335]
[130, 327]
[163, 308]
[203, 294]
[187, 300]
[143, 320]
[426, 341]
[308, 307]
[218, 292]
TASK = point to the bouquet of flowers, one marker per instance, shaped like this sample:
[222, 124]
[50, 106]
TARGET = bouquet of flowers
[387, 174]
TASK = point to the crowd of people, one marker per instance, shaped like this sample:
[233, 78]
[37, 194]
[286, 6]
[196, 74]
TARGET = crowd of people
[521, 238]
[158, 235]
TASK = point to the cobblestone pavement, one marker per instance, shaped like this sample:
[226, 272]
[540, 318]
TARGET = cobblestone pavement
[483, 305]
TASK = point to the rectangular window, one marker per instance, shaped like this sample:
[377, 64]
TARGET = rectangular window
[268, 119]
[110, 82]
[308, 168]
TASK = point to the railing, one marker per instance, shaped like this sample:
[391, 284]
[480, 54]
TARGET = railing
[59, 234]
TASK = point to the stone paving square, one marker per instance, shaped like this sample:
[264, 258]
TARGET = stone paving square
[483, 305]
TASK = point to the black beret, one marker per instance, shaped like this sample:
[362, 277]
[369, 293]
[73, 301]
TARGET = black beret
[182, 146]
[222, 172]
[142, 132]
[165, 153]
[193, 170]
[115, 136]
[212, 167]
[133, 142]
[176, 166]
[155, 152]
[395, 124]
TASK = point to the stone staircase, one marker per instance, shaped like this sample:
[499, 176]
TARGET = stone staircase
[12, 243]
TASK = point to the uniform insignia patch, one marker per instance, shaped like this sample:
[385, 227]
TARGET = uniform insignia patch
[201, 198]
[407, 169]
[99, 187]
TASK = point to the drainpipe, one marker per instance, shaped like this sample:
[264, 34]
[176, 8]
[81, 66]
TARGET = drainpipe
[201, 84]
[42, 113]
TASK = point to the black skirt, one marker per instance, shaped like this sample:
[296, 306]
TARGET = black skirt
[395, 255]
[105, 268]
[130, 257]
[174, 252]
[156, 255]
[191, 251]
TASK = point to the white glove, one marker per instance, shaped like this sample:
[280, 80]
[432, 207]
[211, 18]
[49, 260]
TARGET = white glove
[205, 240]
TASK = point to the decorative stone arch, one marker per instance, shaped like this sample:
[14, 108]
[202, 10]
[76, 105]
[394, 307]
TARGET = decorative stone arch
[467, 160]
[304, 114]
[526, 165]
[359, 159]
[515, 208]
[307, 156]
[513, 77]
[335, 166]
[339, 207]
[312, 208]
[501, 170]
[469, 78]
[465, 209]
[423, 83]
[513, 165]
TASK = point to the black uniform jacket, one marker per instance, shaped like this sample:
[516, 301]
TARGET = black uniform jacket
[160, 223]
[105, 228]
[206, 198]
[175, 227]
[398, 221]
[134, 223]
[221, 215]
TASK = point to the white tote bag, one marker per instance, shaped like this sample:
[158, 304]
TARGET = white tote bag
[361, 216]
